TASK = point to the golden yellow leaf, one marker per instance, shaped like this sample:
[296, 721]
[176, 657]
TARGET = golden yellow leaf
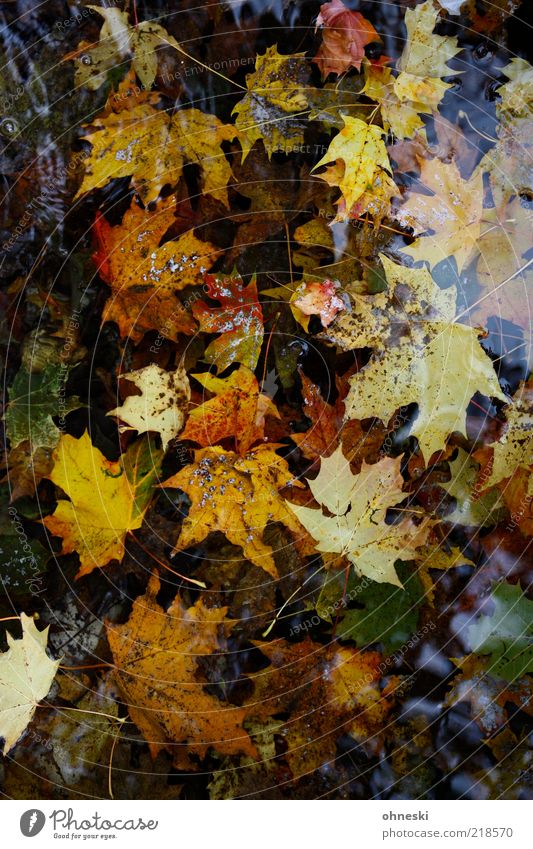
[162, 406]
[362, 149]
[437, 363]
[276, 90]
[401, 117]
[238, 496]
[156, 654]
[26, 675]
[452, 211]
[118, 40]
[107, 499]
[426, 54]
[152, 147]
[418, 88]
[355, 523]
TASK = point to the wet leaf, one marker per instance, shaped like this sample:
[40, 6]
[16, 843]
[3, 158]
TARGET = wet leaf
[239, 320]
[161, 406]
[107, 499]
[156, 654]
[238, 411]
[152, 147]
[344, 37]
[26, 675]
[238, 496]
[355, 523]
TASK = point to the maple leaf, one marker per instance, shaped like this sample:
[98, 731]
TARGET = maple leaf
[239, 319]
[26, 675]
[107, 499]
[314, 297]
[276, 91]
[516, 96]
[506, 634]
[418, 88]
[452, 211]
[514, 449]
[237, 411]
[472, 508]
[26, 468]
[326, 423]
[400, 116]
[437, 364]
[237, 496]
[384, 615]
[118, 40]
[358, 504]
[152, 147]
[366, 161]
[502, 267]
[145, 278]
[156, 654]
[162, 405]
[34, 398]
[344, 37]
[326, 692]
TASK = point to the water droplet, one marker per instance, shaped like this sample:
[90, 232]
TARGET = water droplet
[9, 126]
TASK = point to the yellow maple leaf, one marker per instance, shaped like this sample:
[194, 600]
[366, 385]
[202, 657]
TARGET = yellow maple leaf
[275, 92]
[156, 654]
[107, 499]
[426, 55]
[26, 675]
[437, 363]
[355, 523]
[452, 212]
[152, 147]
[238, 496]
[362, 149]
[418, 88]
[516, 96]
[162, 405]
[502, 268]
[118, 40]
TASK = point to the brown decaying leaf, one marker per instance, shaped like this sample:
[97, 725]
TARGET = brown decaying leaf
[156, 655]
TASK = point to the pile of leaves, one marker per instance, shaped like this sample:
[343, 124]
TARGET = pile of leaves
[269, 416]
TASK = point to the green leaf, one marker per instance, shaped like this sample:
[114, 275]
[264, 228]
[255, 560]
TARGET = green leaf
[389, 614]
[33, 399]
[506, 634]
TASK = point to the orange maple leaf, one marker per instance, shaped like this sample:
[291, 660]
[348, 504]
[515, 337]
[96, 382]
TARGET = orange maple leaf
[145, 277]
[237, 411]
[156, 658]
